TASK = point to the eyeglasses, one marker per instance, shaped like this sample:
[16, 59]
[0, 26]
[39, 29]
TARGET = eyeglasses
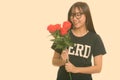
[77, 15]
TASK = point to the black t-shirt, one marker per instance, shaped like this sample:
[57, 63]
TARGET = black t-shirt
[80, 54]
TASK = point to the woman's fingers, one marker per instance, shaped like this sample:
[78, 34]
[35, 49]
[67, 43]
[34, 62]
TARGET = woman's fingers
[70, 67]
[64, 54]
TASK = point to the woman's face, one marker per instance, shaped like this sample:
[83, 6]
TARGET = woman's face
[77, 18]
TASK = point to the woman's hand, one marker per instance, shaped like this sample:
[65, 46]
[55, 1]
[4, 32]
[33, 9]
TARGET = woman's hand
[64, 55]
[70, 67]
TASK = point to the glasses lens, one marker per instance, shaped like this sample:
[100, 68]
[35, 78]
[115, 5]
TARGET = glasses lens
[77, 15]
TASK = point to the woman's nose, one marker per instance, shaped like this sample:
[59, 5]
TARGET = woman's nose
[74, 17]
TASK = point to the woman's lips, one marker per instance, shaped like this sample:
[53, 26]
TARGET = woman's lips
[75, 23]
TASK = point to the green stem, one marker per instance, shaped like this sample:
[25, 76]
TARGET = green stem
[70, 76]
[69, 72]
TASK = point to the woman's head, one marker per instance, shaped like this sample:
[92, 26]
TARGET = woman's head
[79, 15]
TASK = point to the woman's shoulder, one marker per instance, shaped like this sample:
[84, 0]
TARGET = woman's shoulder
[94, 35]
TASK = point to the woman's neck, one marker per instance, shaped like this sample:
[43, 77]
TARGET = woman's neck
[80, 31]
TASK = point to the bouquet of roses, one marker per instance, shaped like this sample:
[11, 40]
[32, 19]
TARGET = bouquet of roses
[61, 35]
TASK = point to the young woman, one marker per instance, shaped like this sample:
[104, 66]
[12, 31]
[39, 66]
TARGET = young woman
[87, 43]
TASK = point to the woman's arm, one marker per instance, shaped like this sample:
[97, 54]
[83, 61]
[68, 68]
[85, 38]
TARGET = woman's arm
[96, 68]
[59, 60]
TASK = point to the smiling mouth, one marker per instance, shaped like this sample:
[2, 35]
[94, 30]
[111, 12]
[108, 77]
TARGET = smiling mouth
[75, 23]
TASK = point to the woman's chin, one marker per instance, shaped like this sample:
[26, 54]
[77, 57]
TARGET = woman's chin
[76, 26]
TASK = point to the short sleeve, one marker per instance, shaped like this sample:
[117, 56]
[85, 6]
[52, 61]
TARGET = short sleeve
[57, 50]
[98, 46]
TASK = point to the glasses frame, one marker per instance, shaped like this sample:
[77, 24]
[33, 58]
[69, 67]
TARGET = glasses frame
[77, 15]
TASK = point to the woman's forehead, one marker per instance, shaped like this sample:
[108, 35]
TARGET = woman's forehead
[76, 9]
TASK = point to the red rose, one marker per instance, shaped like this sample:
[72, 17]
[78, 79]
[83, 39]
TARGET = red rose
[63, 31]
[57, 26]
[53, 28]
[67, 25]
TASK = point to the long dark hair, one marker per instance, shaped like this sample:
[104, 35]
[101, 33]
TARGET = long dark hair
[86, 11]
